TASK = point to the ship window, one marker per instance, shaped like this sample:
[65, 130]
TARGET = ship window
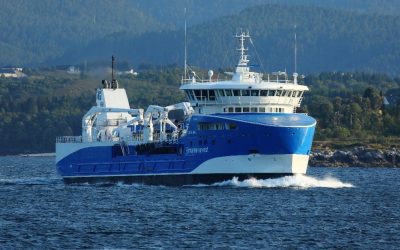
[290, 93]
[197, 94]
[271, 93]
[228, 92]
[264, 93]
[284, 92]
[231, 126]
[221, 92]
[255, 93]
[294, 93]
[204, 95]
[210, 126]
[236, 92]
[245, 92]
[253, 109]
[238, 110]
[278, 92]
[246, 109]
[230, 109]
[300, 93]
[211, 94]
[261, 109]
[190, 94]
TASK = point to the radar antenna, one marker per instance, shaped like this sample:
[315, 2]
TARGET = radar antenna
[243, 57]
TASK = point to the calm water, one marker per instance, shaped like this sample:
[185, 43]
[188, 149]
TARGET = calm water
[353, 208]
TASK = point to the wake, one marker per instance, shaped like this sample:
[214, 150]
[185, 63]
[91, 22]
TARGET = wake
[296, 181]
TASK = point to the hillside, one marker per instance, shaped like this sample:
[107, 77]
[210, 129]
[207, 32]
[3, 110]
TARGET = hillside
[33, 32]
[200, 11]
[333, 34]
[50, 103]
[328, 40]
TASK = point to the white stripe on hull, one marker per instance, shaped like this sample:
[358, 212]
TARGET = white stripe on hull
[247, 164]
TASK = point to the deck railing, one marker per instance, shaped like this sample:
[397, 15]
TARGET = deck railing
[69, 139]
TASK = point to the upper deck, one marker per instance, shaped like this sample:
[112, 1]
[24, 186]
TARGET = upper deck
[247, 91]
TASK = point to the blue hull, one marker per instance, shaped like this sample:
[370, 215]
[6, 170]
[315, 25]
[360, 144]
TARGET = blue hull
[251, 135]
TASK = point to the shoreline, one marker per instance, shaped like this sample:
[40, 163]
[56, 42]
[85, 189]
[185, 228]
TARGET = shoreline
[361, 156]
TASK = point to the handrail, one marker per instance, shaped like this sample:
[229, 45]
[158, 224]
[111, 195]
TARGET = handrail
[69, 139]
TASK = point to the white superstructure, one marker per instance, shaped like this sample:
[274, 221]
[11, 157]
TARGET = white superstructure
[246, 92]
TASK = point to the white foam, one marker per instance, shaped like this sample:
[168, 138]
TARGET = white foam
[299, 181]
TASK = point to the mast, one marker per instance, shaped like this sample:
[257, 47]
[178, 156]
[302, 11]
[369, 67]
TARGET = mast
[295, 75]
[112, 68]
[295, 49]
[243, 57]
[185, 62]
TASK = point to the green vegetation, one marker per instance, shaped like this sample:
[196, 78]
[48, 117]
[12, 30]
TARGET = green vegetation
[47, 104]
[34, 110]
[332, 34]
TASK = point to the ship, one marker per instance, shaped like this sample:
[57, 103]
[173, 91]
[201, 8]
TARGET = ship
[243, 126]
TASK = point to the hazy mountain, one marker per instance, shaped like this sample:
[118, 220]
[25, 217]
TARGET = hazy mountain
[328, 40]
[342, 35]
[199, 11]
[36, 31]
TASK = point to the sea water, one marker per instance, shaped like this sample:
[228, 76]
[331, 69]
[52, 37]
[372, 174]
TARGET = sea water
[353, 208]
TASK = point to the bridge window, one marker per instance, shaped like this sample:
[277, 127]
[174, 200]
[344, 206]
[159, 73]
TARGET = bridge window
[254, 109]
[189, 93]
[238, 110]
[197, 94]
[255, 92]
[272, 93]
[221, 92]
[236, 92]
[246, 109]
[263, 92]
[300, 93]
[230, 109]
[245, 92]
[284, 93]
[294, 93]
[228, 92]
[211, 95]
[261, 110]
[278, 92]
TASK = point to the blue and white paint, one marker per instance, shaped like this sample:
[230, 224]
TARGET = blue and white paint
[243, 127]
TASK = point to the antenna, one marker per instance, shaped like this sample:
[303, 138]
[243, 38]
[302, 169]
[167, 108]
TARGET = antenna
[295, 75]
[112, 67]
[185, 74]
[295, 48]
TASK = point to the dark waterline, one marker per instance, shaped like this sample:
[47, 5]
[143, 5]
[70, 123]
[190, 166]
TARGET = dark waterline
[320, 211]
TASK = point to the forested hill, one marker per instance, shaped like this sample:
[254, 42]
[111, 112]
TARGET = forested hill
[199, 11]
[36, 109]
[332, 34]
[34, 31]
[328, 40]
